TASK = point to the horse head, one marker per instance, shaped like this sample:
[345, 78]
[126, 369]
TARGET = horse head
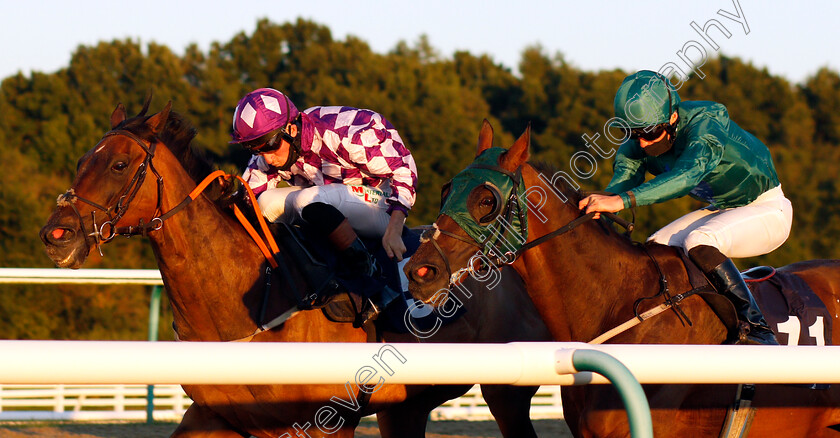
[111, 193]
[484, 217]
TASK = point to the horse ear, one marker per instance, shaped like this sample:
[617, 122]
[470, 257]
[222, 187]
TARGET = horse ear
[518, 153]
[118, 116]
[158, 121]
[146, 104]
[485, 137]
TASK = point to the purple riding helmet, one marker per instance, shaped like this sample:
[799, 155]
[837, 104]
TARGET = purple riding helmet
[260, 112]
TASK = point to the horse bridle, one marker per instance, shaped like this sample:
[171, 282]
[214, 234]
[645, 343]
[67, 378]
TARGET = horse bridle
[114, 213]
[268, 247]
[509, 258]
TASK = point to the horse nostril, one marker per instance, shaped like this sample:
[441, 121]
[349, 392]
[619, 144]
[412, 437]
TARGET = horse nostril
[425, 274]
[57, 235]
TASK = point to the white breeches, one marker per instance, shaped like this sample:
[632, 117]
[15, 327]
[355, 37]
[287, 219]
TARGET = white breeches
[752, 230]
[363, 206]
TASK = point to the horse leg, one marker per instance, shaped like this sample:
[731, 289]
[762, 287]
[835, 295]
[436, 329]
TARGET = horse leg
[401, 422]
[201, 422]
[573, 398]
[511, 407]
[408, 419]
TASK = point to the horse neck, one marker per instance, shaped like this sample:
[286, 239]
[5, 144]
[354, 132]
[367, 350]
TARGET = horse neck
[585, 280]
[209, 264]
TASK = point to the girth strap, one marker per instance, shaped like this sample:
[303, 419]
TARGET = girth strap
[740, 414]
[636, 320]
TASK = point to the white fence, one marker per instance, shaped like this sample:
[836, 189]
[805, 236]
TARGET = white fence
[80, 276]
[90, 402]
[472, 407]
[129, 402]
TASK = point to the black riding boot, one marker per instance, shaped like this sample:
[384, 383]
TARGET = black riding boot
[354, 259]
[727, 281]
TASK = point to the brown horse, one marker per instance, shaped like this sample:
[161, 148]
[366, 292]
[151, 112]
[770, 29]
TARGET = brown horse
[584, 280]
[213, 273]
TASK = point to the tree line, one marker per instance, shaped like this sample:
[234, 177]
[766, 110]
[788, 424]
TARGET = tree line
[436, 103]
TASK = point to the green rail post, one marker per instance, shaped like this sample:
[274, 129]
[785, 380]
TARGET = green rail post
[154, 319]
[635, 401]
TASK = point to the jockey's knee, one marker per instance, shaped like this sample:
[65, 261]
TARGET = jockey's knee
[301, 199]
[273, 202]
[660, 238]
[700, 237]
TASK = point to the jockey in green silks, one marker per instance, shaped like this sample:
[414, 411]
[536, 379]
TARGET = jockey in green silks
[693, 148]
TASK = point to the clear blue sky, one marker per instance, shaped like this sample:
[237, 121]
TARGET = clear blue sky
[789, 38]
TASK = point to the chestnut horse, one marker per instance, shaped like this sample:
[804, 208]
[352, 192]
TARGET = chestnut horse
[584, 279]
[213, 274]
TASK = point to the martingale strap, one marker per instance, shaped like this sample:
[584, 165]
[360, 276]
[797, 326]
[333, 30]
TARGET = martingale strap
[265, 242]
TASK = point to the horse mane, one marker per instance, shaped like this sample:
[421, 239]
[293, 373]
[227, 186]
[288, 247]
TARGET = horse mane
[177, 135]
[574, 195]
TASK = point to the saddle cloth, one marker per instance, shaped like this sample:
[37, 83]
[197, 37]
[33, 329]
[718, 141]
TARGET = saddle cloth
[791, 308]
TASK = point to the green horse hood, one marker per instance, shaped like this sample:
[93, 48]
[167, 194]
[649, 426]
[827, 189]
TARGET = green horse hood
[509, 223]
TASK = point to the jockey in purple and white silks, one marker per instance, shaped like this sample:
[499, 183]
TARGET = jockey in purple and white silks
[347, 169]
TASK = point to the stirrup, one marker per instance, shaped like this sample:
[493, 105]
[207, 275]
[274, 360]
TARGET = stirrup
[369, 312]
[761, 336]
[749, 334]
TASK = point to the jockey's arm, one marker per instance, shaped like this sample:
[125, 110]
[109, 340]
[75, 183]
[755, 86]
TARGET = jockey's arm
[601, 203]
[392, 240]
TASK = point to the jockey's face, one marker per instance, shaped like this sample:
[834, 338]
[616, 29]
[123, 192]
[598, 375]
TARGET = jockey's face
[277, 157]
[280, 156]
[645, 143]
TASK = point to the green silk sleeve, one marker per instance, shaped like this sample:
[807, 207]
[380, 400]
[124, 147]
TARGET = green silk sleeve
[628, 172]
[701, 155]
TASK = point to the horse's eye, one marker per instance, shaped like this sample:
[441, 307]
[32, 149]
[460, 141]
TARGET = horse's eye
[486, 202]
[119, 166]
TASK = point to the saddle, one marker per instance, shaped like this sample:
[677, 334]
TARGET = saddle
[792, 310]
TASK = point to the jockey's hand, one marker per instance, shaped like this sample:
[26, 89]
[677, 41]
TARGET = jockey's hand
[601, 204]
[392, 240]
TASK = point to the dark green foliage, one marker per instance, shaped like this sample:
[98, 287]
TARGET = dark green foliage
[437, 104]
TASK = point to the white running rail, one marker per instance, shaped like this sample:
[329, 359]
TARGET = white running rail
[128, 402]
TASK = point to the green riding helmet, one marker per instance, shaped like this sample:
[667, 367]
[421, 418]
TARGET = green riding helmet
[645, 99]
